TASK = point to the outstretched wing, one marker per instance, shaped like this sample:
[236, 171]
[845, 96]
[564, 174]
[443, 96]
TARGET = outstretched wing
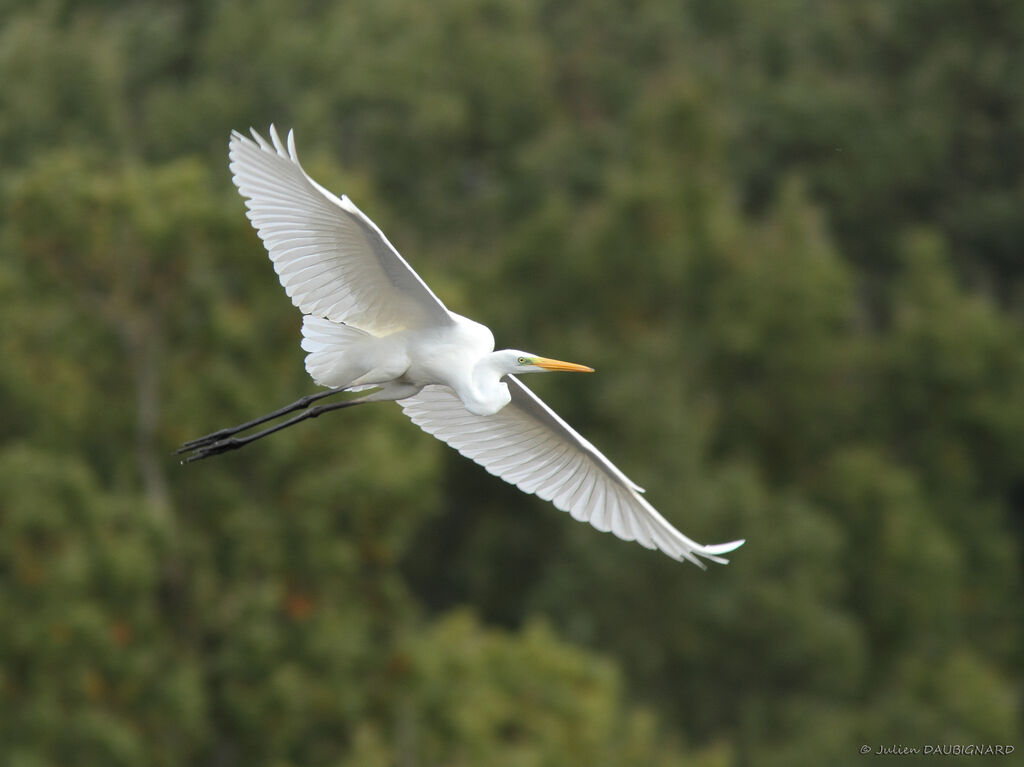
[332, 260]
[528, 445]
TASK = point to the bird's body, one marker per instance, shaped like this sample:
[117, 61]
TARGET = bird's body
[370, 322]
[457, 354]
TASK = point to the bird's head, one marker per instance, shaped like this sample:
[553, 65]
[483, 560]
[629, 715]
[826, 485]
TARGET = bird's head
[515, 361]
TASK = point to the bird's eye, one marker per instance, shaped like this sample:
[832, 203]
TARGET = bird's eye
[522, 361]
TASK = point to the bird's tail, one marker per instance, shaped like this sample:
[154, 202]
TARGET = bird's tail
[327, 342]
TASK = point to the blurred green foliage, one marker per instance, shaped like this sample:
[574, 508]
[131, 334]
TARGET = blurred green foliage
[788, 234]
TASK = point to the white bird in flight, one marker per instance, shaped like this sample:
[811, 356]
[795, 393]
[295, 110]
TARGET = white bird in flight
[370, 322]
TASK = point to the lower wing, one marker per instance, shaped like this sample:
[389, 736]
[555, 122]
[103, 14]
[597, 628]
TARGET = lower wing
[528, 445]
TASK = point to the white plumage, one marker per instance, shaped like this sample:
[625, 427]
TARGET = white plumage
[371, 322]
[527, 444]
[333, 261]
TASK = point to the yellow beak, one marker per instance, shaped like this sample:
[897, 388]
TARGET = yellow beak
[548, 364]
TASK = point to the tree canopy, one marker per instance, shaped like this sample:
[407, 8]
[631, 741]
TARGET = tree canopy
[788, 235]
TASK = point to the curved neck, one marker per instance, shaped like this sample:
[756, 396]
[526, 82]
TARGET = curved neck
[489, 393]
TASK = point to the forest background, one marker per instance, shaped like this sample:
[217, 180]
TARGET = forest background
[787, 234]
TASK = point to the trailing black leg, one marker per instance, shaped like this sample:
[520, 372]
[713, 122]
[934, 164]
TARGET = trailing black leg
[217, 436]
[233, 443]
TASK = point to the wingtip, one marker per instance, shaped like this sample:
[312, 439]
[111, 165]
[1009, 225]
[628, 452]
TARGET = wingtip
[725, 548]
[278, 144]
[713, 551]
[291, 146]
[275, 145]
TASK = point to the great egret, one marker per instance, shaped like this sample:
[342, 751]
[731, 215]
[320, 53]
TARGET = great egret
[370, 322]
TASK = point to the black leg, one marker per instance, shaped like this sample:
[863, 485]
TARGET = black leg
[217, 436]
[233, 443]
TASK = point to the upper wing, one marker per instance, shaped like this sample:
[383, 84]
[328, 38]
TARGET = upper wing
[333, 261]
[527, 444]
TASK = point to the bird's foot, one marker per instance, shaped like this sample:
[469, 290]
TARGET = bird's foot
[205, 449]
[209, 439]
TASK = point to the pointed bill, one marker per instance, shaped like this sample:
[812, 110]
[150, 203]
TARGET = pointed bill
[549, 364]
